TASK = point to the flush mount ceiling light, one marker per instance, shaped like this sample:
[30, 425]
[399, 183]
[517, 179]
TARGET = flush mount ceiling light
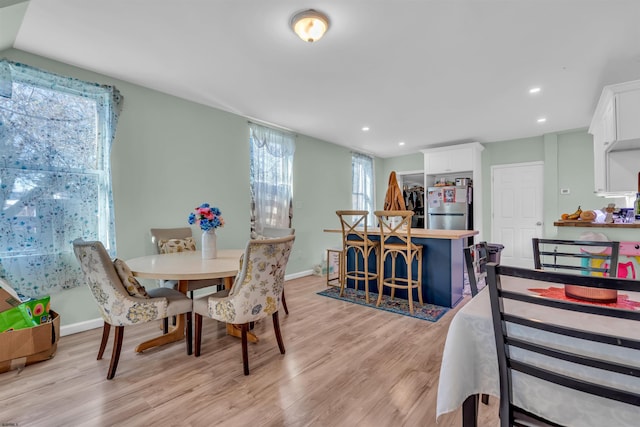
[310, 25]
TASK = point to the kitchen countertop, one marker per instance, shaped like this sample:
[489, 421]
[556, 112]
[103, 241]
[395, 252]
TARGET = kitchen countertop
[580, 223]
[424, 233]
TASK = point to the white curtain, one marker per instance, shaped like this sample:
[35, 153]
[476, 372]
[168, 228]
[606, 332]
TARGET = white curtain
[55, 177]
[271, 177]
[362, 184]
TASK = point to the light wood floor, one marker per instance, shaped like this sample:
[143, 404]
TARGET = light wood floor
[346, 365]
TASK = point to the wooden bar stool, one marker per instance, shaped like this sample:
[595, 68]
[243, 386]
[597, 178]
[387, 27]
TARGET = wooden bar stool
[395, 239]
[356, 240]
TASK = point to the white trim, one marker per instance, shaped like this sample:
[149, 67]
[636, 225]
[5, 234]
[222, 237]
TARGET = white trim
[298, 275]
[87, 325]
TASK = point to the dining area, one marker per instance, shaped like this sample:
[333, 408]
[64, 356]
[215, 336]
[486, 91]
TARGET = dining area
[557, 343]
[239, 286]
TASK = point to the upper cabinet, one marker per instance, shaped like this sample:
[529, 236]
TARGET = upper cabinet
[448, 160]
[616, 139]
[451, 159]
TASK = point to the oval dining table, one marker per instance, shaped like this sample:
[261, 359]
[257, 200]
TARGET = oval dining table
[183, 267]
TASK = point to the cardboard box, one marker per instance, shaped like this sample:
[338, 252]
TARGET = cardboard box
[26, 346]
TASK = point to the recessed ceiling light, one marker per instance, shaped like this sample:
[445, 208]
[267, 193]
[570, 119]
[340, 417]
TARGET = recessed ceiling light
[401, 143]
[542, 120]
[534, 90]
[365, 128]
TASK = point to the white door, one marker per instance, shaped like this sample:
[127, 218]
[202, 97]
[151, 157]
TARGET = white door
[516, 209]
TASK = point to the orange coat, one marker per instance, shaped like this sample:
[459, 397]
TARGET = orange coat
[394, 200]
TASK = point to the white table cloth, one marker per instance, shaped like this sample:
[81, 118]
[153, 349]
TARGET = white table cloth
[470, 364]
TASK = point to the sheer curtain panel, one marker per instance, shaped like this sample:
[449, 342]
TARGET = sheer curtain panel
[271, 177]
[362, 185]
[55, 181]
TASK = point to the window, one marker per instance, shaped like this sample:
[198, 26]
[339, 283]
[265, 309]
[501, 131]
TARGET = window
[271, 178]
[362, 185]
[55, 182]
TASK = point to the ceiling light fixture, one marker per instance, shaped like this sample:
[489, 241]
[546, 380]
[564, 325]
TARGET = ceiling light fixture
[365, 128]
[534, 90]
[542, 120]
[401, 143]
[310, 25]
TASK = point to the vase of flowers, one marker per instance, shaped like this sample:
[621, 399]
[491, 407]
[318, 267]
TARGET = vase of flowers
[208, 218]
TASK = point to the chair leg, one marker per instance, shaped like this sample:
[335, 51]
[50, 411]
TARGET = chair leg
[188, 334]
[198, 334]
[343, 272]
[284, 302]
[380, 280]
[165, 325]
[365, 268]
[115, 354]
[276, 328]
[245, 352]
[105, 336]
[419, 259]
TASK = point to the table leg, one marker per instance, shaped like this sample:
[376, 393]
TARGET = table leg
[234, 330]
[175, 334]
[470, 411]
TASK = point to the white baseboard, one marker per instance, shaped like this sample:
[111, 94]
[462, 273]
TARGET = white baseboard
[86, 325]
[97, 323]
[298, 275]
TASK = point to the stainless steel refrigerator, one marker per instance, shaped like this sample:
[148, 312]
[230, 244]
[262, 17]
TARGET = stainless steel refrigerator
[450, 208]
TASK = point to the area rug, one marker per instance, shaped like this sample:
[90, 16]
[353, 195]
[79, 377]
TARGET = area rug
[428, 312]
[558, 293]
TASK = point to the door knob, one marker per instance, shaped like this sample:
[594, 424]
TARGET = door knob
[538, 223]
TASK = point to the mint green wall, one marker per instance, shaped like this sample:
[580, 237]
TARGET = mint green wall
[170, 155]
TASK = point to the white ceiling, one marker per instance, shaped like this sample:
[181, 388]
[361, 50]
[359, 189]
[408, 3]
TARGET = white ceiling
[430, 72]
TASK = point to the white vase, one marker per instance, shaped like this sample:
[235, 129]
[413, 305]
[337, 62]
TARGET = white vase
[209, 244]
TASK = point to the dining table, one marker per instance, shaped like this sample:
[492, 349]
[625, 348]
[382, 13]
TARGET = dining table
[183, 267]
[470, 363]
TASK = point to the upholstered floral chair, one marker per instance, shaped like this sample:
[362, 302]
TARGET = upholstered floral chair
[171, 240]
[272, 233]
[255, 294]
[122, 301]
[179, 239]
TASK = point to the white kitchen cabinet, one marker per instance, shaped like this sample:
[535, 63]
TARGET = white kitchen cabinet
[448, 161]
[616, 139]
[628, 115]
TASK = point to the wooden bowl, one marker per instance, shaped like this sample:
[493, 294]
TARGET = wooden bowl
[591, 294]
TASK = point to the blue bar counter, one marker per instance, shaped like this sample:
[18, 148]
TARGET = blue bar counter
[442, 265]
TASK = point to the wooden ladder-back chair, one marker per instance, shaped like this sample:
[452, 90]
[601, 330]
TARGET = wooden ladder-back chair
[355, 239]
[563, 362]
[395, 239]
[122, 301]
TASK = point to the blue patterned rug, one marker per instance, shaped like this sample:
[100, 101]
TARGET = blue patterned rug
[428, 312]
